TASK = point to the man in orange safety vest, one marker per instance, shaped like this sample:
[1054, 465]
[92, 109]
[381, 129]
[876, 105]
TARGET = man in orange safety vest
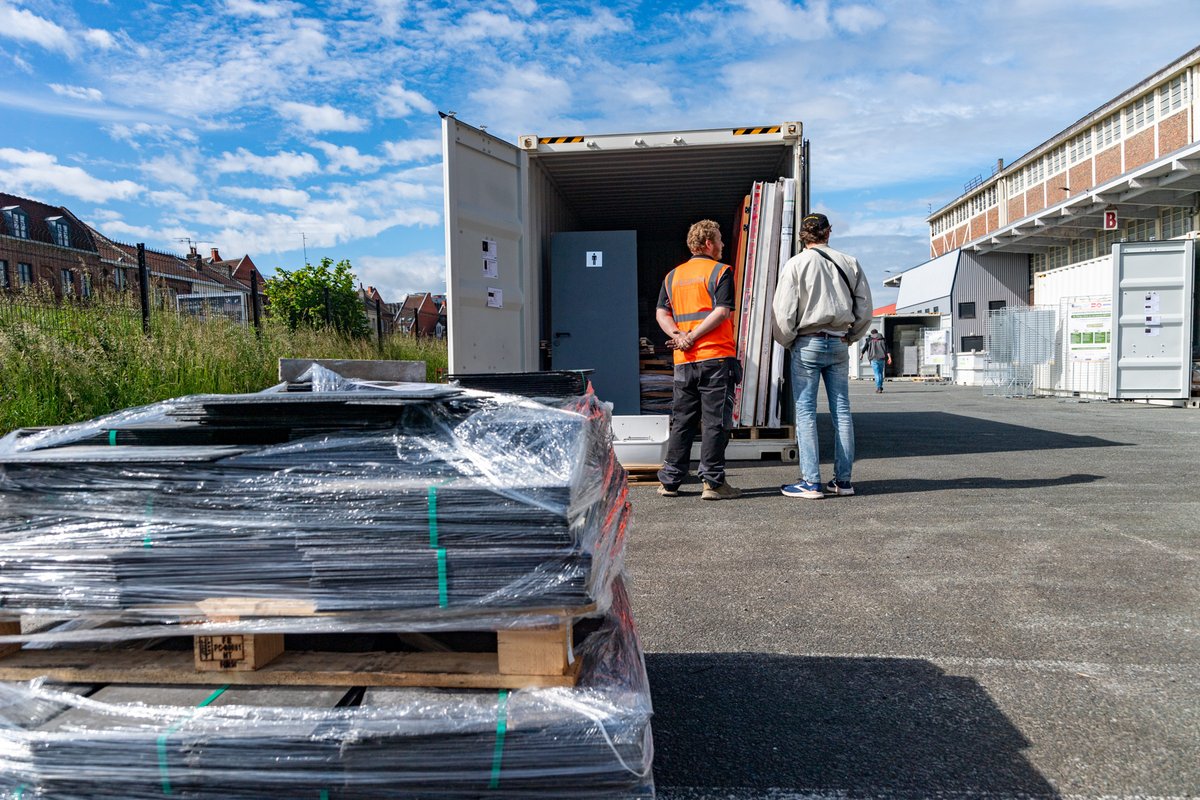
[694, 309]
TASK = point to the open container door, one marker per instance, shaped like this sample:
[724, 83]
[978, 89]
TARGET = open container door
[491, 291]
[1152, 320]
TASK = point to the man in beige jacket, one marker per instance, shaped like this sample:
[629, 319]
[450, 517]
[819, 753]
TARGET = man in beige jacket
[822, 304]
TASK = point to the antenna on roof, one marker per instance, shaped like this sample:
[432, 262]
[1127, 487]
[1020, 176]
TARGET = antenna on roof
[304, 244]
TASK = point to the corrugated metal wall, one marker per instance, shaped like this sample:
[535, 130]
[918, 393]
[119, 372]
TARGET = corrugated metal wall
[982, 279]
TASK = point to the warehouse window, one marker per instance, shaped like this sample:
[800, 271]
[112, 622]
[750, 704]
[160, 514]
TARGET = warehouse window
[1105, 241]
[1080, 147]
[85, 284]
[24, 274]
[1109, 132]
[1142, 230]
[1081, 250]
[971, 344]
[68, 282]
[119, 279]
[996, 305]
[1139, 113]
[1175, 222]
[966, 311]
[3, 274]
[1056, 160]
[1037, 262]
[17, 221]
[1172, 95]
[1056, 257]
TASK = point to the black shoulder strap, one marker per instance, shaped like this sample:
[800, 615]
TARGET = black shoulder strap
[845, 279]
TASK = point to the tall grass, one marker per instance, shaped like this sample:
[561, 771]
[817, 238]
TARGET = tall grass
[66, 363]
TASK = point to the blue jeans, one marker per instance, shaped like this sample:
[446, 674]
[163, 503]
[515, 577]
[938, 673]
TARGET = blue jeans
[877, 365]
[814, 358]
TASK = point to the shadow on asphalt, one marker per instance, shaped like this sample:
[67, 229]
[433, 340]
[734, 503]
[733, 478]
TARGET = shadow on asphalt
[907, 434]
[911, 485]
[853, 726]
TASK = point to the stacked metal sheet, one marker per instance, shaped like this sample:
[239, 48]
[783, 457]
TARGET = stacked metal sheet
[243, 743]
[413, 500]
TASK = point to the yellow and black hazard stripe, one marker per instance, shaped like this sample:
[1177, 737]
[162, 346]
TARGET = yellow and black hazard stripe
[752, 131]
[560, 140]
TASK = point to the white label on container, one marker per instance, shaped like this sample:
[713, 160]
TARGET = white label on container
[490, 270]
[595, 258]
[495, 298]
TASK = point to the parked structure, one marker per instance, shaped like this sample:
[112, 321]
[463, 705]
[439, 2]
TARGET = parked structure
[1129, 171]
[47, 246]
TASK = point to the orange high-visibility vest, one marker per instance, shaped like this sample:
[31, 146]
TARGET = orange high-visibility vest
[692, 287]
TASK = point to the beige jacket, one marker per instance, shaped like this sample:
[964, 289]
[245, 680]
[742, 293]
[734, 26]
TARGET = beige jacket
[812, 297]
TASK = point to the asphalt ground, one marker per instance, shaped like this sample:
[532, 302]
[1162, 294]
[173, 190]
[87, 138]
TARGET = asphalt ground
[1008, 607]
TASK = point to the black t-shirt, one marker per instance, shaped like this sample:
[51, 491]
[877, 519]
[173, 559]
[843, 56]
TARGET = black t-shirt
[724, 292]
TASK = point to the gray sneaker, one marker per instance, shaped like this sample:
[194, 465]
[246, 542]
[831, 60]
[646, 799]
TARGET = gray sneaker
[719, 491]
[666, 491]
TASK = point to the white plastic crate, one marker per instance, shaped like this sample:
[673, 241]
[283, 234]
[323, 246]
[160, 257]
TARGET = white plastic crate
[641, 441]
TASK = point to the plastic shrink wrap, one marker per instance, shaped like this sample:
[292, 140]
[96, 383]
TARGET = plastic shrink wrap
[416, 506]
[243, 743]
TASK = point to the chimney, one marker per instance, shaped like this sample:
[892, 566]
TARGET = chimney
[193, 258]
[215, 255]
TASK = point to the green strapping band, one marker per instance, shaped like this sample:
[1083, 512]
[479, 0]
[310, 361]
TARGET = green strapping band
[324, 794]
[501, 729]
[162, 740]
[433, 531]
[20, 792]
[112, 438]
[443, 601]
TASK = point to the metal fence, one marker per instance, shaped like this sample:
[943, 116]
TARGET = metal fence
[1019, 342]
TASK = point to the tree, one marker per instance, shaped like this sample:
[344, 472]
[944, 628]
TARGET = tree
[318, 296]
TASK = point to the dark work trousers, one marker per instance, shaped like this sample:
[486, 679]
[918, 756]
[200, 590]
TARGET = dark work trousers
[701, 400]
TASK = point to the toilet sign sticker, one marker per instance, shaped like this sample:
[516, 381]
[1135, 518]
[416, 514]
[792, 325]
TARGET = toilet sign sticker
[595, 258]
[491, 268]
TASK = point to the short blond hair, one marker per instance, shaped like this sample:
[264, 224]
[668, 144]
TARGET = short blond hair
[701, 233]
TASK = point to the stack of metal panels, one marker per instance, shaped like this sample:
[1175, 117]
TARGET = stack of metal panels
[361, 501]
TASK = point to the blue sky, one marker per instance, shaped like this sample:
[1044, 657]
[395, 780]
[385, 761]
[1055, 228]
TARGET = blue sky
[255, 126]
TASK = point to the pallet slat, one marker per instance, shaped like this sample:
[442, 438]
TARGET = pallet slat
[448, 670]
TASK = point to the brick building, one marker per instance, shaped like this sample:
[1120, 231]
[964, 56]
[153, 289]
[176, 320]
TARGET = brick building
[418, 315]
[1133, 163]
[1137, 155]
[47, 246]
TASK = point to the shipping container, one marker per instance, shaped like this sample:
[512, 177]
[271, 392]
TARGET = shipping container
[556, 246]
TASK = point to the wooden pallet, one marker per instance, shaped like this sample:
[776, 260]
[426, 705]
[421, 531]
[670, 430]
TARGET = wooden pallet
[534, 656]
[642, 473]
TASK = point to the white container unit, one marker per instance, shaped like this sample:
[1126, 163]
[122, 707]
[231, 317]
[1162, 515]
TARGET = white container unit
[525, 290]
[1081, 294]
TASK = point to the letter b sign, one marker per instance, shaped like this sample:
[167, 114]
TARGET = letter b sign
[1110, 220]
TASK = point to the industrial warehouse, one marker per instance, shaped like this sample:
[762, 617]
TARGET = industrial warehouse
[1018, 294]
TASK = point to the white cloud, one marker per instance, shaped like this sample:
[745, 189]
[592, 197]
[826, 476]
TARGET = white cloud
[858, 19]
[776, 20]
[22, 25]
[174, 169]
[321, 118]
[281, 165]
[348, 159]
[100, 38]
[483, 26]
[290, 198]
[518, 94]
[398, 101]
[601, 22]
[30, 172]
[397, 276]
[84, 93]
[412, 150]
[155, 132]
[269, 10]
